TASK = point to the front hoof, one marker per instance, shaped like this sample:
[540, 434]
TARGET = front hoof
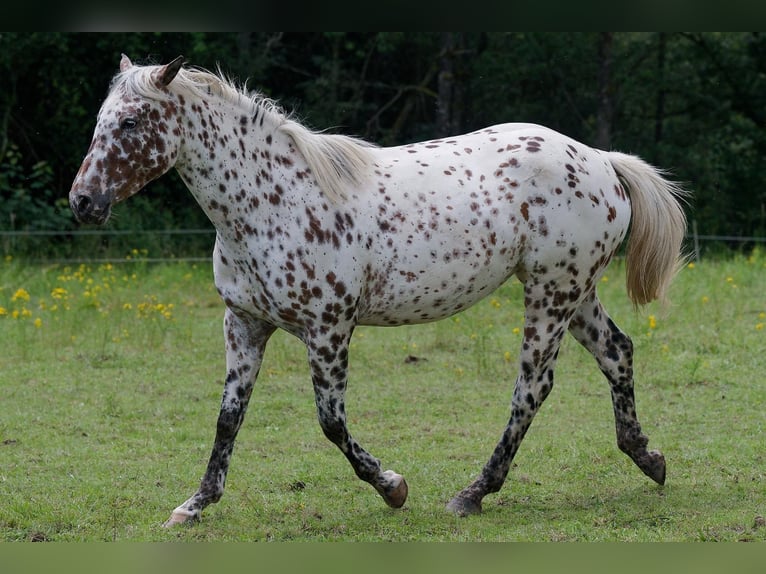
[396, 490]
[180, 517]
[464, 506]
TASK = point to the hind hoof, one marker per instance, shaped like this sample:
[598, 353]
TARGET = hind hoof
[461, 506]
[653, 466]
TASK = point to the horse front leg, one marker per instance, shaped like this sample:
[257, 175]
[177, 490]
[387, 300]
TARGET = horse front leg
[245, 344]
[328, 359]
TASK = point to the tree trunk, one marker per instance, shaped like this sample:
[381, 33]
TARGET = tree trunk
[659, 110]
[445, 85]
[605, 110]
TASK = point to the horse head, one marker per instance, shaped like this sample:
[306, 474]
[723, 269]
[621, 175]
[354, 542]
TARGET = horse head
[135, 141]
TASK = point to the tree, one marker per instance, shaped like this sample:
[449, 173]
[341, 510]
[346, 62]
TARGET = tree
[690, 102]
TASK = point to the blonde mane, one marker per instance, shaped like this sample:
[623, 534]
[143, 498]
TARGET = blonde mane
[339, 163]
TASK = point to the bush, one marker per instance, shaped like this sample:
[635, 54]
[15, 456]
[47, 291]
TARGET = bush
[29, 202]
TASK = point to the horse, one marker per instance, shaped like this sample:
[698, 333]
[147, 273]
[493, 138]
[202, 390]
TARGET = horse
[319, 232]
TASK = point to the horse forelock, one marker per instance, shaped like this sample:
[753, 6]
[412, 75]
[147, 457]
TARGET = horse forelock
[338, 162]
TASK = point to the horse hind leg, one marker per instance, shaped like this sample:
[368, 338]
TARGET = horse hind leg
[613, 350]
[544, 328]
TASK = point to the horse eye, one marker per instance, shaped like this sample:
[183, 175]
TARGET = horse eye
[128, 124]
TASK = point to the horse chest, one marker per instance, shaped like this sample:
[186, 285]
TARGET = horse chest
[295, 288]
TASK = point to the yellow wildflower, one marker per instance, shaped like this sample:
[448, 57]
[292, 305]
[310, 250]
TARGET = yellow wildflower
[38, 323]
[21, 294]
[59, 293]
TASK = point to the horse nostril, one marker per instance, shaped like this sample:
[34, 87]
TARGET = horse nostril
[83, 204]
[89, 208]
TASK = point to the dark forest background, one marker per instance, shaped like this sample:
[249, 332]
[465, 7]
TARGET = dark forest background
[693, 103]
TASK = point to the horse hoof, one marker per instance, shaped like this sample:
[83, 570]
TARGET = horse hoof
[654, 466]
[395, 492]
[464, 506]
[179, 517]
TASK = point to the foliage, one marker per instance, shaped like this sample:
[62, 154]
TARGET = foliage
[29, 200]
[103, 446]
[689, 102]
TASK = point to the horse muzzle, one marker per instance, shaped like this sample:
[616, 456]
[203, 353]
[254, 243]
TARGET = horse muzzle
[90, 208]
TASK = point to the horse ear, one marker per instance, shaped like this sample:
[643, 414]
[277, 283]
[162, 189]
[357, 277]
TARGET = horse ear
[169, 71]
[125, 63]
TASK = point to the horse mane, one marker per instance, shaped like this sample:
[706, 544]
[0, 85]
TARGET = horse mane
[339, 163]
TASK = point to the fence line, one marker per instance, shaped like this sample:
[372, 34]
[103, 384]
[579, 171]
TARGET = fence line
[81, 232]
[694, 237]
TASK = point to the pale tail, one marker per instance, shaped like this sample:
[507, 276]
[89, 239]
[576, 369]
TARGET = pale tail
[658, 227]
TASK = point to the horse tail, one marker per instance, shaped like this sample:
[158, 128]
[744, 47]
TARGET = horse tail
[657, 228]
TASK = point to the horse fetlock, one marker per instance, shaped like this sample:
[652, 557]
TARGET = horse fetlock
[632, 441]
[652, 463]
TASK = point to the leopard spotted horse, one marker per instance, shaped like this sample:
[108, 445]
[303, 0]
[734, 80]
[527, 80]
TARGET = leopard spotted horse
[318, 233]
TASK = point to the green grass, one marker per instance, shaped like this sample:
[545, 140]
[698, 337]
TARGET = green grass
[111, 381]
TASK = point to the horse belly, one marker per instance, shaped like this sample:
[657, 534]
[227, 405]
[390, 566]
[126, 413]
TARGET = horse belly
[420, 296]
[436, 262]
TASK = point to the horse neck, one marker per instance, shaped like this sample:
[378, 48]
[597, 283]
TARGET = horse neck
[235, 160]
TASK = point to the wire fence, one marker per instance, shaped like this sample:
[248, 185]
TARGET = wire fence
[108, 245]
[102, 248]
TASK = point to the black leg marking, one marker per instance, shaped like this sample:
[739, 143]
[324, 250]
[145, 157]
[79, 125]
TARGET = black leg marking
[245, 344]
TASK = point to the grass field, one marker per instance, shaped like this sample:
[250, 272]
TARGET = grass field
[111, 376]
